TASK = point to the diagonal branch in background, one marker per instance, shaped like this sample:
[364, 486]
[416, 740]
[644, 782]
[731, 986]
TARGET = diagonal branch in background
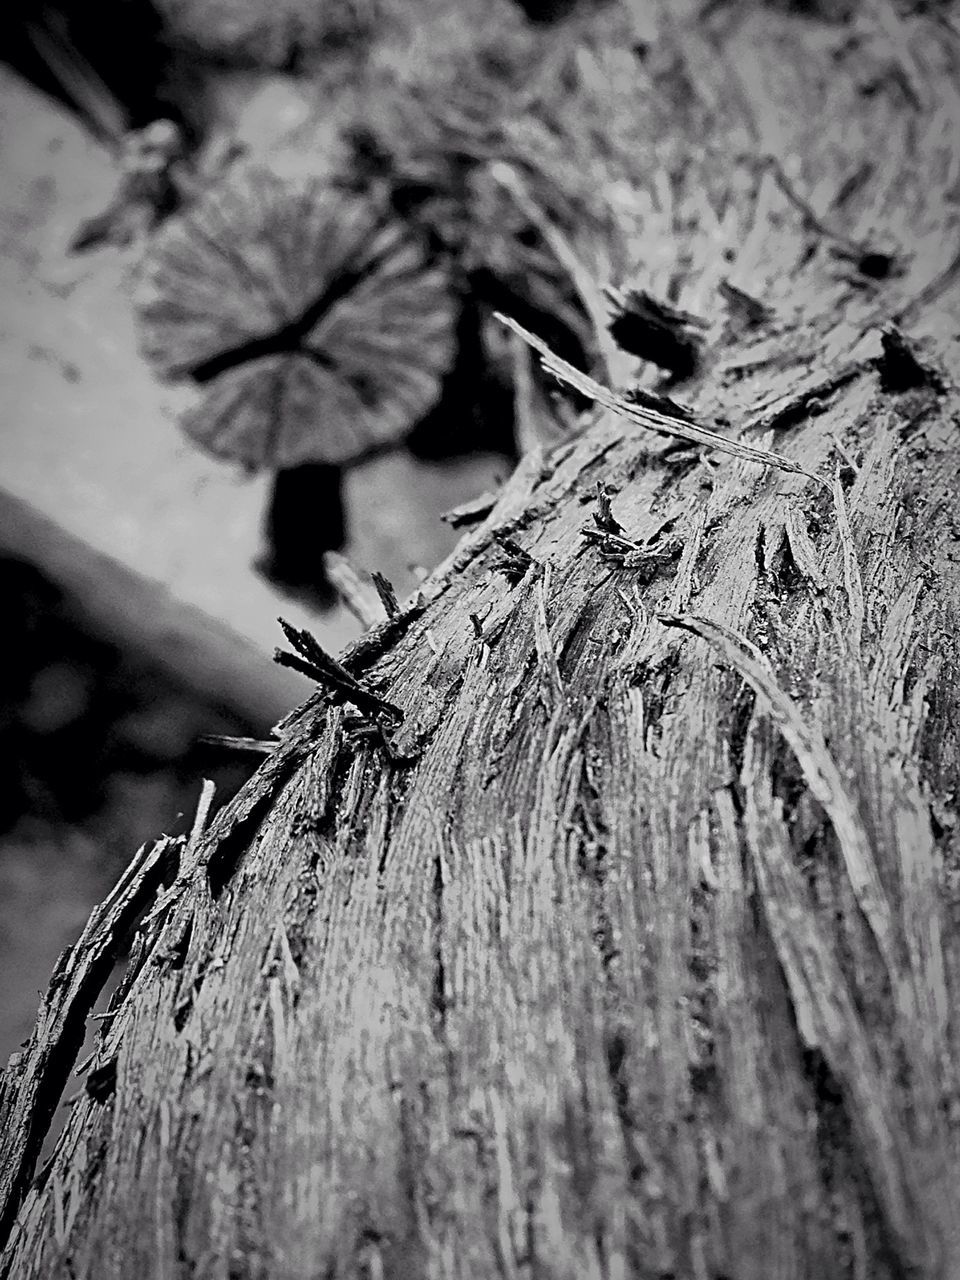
[648, 417]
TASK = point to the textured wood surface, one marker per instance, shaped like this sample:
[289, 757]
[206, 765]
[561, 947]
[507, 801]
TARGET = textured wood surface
[634, 951]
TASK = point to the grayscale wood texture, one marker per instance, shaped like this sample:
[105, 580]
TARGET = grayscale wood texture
[638, 953]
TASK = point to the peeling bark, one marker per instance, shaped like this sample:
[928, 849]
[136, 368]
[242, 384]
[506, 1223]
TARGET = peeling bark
[634, 951]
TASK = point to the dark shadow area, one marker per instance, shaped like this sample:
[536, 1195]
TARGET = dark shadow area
[543, 12]
[77, 715]
[476, 410]
[108, 61]
[304, 518]
[101, 753]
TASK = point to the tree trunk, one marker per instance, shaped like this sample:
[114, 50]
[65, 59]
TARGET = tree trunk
[634, 949]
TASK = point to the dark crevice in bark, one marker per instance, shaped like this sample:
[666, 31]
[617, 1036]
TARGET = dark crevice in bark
[586, 636]
[439, 996]
[657, 681]
[840, 1173]
[791, 581]
[744, 706]
[900, 368]
[101, 1080]
[227, 853]
[184, 1007]
[701, 998]
[617, 1050]
[808, 402]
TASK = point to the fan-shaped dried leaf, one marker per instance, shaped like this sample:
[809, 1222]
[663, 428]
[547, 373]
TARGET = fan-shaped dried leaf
[317, 331]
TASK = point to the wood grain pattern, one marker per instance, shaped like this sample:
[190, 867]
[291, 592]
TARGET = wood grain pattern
[640, 956]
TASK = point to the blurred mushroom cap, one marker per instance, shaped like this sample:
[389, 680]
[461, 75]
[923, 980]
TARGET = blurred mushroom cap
[315, 328]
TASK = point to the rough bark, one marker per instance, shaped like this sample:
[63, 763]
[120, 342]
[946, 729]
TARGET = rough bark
[636, 951]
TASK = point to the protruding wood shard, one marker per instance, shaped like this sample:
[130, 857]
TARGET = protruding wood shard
[670, 419]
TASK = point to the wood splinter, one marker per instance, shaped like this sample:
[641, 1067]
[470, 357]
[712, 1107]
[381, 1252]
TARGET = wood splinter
[313, 661]
[652, 419]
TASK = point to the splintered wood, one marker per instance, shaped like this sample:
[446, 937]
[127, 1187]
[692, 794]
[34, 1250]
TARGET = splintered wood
[632, 949]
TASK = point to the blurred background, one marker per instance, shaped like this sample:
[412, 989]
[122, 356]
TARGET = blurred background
[249, 259]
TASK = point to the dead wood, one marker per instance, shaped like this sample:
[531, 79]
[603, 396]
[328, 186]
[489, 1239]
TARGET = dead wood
[633, 950]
